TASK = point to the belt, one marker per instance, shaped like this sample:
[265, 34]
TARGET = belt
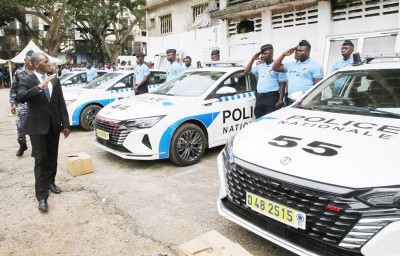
[268, 93]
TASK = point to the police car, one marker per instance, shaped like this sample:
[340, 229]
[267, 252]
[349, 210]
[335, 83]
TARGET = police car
[84, 103]
[321, 177]
[77, 78]
[196, 110]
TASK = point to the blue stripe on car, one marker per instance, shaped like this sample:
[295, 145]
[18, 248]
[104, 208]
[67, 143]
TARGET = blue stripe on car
[236, 96]
[165, 140]
[78, 110]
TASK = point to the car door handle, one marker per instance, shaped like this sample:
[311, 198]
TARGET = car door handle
[208, 104]
[120, 98]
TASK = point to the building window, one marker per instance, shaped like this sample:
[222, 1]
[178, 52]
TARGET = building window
[296, 18]
[358, 9]
[166, 24]
[245, 26]
[198, 9]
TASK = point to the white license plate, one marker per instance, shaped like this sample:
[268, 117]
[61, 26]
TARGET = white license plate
[289, 216]
[102, 134]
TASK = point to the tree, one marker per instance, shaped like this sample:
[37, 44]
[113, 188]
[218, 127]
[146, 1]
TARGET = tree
[101, 20]
[52, 12]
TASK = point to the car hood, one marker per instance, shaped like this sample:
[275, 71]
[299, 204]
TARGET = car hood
[290, 140]
[146, 105]
[77, 93]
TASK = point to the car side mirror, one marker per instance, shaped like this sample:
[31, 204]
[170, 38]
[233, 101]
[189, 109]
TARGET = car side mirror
[68, 82]
[226, 91]
[119, 85]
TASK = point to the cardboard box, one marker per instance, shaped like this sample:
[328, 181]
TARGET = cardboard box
[212, 244]
[79, 164]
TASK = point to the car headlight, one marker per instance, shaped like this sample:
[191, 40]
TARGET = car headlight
[67, 102]
[228, 154]
[142, 123]
[382, 197]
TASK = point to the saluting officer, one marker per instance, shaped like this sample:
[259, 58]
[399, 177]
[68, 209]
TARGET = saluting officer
[301, 74]
[142, 71]
[174, 68]
[270, 84]
[22, 107]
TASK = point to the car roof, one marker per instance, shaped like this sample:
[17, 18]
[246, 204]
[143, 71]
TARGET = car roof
[374, 65]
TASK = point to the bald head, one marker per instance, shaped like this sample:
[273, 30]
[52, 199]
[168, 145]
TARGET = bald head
[40, 62]
[38, 57]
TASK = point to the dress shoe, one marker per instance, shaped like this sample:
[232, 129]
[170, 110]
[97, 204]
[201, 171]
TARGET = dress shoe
[55, 189]
[21, 150]
[43, 206]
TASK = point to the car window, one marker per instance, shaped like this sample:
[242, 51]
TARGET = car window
[156, 78]
[191, 84]
[83, 78]
[103, 81]
[241, 82]
[371, 89]
[127, 80]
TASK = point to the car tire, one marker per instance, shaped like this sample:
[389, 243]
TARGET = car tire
[187, 145]
[88, 116]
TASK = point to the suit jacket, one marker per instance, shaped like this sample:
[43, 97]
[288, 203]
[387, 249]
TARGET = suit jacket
[41, 112]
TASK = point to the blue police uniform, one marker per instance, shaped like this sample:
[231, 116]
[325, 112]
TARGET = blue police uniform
[185, 68]
[300, 75]
[173, 70]
[267, 94]
[140, 72]
[109, 70]
[342, 63]
[91, 74]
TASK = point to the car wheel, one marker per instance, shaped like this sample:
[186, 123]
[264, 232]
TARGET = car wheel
[187, 145]
[88, 116]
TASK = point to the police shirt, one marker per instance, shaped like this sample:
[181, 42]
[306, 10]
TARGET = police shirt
[91, 74]
[342, 63]
[109, 70]
[173, 70]
[140, 72]
[300, 75]
[185, 68]
[268, 80]
[18, 75]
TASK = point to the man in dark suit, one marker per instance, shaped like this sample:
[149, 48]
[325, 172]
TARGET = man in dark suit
[47, 116]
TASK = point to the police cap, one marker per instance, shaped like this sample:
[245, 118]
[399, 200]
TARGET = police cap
[188, 57]
[215, 52]
[89, 61]
[304, 43]
[29, 53]
[139, 55]
[170, 51]
[348, 42]
[266, 47]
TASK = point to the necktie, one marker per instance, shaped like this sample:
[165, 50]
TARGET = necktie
[46, 89]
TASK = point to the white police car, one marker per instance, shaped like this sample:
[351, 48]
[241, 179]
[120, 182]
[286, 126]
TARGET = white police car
[84, 103]
[195, 110]
[321, 177]
[77, 78]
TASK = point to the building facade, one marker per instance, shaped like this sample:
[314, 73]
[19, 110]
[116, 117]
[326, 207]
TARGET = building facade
[239, 27]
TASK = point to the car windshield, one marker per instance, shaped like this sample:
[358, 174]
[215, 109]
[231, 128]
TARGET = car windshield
[102, 82]
[367, 92]
[190, 84]
[65, 76]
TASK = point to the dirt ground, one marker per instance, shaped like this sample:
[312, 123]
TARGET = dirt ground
[124, 208]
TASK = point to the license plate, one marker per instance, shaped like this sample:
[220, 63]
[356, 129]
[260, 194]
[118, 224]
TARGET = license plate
[102, 134]
[276, 211]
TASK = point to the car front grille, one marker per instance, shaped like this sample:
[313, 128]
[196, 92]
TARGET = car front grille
[321, 224]
[117, 134]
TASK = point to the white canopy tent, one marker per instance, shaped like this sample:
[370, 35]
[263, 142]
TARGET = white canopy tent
[20, 58]
[2, 61]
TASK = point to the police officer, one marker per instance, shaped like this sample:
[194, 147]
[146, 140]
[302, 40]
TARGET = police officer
[108, 68]
[91, 72]
[142, 71]
[301, 74]
[270, 84]
[22, 107]
[346, 51]
[174, 68]
[214, 57]
[188, 64]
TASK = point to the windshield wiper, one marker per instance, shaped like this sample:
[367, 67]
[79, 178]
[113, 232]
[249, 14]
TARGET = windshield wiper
[383, 112]
[304, 107]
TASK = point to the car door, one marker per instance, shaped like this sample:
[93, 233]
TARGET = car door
[232, 113]
[155, 79]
